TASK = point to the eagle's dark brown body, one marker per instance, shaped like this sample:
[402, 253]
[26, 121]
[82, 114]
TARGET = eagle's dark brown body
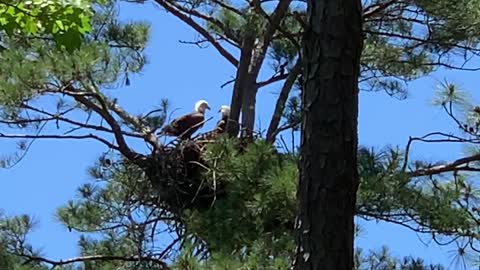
[221, 125]
[184, 126]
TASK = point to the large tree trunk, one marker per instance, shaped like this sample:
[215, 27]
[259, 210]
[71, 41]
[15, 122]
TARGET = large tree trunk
[248, 109]
[328, 165]
[258, 47]
[242, 80]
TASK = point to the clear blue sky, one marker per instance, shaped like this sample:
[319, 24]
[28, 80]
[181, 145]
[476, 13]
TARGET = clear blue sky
[48, 177]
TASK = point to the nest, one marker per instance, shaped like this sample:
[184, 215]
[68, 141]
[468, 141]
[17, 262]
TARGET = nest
[176, 174]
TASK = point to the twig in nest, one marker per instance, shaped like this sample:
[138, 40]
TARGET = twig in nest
[214, 176]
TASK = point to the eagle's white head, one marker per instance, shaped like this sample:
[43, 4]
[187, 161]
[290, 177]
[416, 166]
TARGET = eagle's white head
[201, 106]
[224, 110]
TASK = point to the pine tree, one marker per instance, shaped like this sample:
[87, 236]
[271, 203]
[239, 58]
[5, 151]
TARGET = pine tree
[232, 204]
[403, 41]
[328, 160]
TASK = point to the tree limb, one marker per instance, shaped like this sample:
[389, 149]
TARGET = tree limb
[450, 167]
[242, 78]
[73, 122]
[273, 79]
[94, 258]
[281, 100]
[114, 125]
[273, 23]
[205, 17]
[375, 9]
[257, 59]
[56, 136]
[230, 58]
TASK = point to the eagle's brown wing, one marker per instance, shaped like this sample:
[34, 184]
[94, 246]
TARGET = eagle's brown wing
[218, 130]
[185, 125]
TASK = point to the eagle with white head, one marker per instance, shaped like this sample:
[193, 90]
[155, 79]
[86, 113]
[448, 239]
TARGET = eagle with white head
[222, 123]
[185, 125]
[220, 127]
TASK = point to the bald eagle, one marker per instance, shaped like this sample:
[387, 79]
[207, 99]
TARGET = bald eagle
[221, 124]
[184, 126]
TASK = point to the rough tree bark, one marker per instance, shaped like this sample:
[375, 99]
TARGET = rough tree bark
[328, 165]
[253, 53]
[242, 79]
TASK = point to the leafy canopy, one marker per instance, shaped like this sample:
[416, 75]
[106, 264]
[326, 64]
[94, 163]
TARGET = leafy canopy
[66, 22]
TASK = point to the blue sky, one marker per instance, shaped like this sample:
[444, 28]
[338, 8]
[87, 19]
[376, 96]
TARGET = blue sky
[49, 175]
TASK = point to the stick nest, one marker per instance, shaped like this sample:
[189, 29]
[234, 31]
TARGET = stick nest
[176, 175]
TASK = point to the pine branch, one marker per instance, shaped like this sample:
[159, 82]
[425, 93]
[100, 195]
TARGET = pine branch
[117, 131]
[135, 122]
[273, 129]
[30, 258]
[273, 79]
[273, 24]
[105, 114]
[376, 9]
[227, 7]
[421, 40]
[461, 164]
[207, 18]
[103, 110]
[284, 33]
[86, 125]
[202, 31]
[56, 136]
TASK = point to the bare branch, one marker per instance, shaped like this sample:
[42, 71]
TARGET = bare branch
[95, 258]
[228, 7]
[56, 136]
[273, 79]
[420, 40]
[227, 83]
[114, 125]
[273, 25]
[450, 167]
[210, 19]
[173, 9]
[375, 9]
[73, 122]
[273, 129]
[284, 33]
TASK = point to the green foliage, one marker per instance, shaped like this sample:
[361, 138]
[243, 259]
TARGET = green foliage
[66, 22]
[260, 190]
[403, 41]
[35, 72]
[249, 224]
[257, 257]
[260, 202]
[383, 260]
[13, 243]
[448, 27]
[387, 193]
